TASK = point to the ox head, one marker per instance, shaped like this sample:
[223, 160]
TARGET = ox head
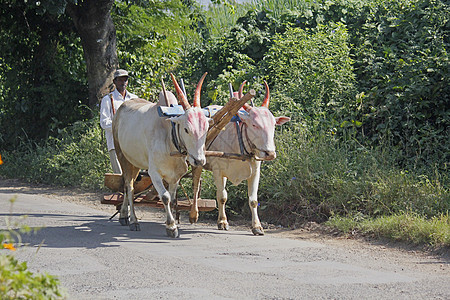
[260, 126]
[192, 126]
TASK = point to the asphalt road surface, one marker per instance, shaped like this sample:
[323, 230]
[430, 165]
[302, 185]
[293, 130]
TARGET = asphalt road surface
[95, 258]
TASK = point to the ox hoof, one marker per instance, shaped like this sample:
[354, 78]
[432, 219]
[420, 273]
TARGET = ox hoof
[258, 231]
[124, 221]
[223, 226]
[173, 233]
[135, 227]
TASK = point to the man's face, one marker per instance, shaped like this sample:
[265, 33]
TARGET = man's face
[121, 83]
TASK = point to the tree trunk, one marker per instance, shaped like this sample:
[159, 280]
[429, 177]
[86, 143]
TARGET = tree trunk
[92, 19]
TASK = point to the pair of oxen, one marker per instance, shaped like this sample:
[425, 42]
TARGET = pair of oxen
[145, 140]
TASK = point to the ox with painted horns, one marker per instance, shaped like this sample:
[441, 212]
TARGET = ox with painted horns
[253, 135]
[144, 140]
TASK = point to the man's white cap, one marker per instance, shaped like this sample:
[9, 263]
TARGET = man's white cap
[120, 73]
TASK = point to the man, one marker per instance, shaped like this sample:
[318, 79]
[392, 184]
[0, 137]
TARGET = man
[108, 107]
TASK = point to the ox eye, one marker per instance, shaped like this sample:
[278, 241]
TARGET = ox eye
[186, 130]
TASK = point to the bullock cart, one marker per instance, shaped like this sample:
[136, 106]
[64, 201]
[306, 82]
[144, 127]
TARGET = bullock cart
[144, 192]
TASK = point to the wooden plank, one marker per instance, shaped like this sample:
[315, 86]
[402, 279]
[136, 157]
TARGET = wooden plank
[183, 204]
[221, 154]
[115, 183]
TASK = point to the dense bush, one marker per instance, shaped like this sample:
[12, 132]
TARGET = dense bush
[313, 68]
[316, 176]
[78, 157]
[402, 62]
[42, 75]
[400, 94]
[150, 40]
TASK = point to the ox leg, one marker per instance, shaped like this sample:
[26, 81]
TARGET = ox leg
[129, 177]
[123, 217]
[222, 196]
[173, 195]
[253, 183]
[196, 174]
[164, 195]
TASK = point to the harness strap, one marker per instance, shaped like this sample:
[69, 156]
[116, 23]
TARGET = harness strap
[112, 104]
[240, 139]
[175, 139]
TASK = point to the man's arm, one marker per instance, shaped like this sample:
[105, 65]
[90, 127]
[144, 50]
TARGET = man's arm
[105, 113]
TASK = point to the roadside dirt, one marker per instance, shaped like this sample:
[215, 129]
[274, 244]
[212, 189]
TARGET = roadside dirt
[399, 253]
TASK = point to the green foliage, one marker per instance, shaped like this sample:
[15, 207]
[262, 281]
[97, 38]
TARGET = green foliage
[314, 69]
[149, 41]
[77, 158]
[403, 67]
[392, 92]
[41, 74]
[17, 282]
[409, 227]
[316, 176]
[241, 49]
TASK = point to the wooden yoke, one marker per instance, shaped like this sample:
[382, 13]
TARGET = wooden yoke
[224, 115]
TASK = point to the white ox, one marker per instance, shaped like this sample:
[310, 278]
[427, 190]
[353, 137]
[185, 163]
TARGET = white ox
[258, 127]
[143, 140]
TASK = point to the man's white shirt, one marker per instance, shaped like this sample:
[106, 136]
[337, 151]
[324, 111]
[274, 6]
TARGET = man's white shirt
[106, 113]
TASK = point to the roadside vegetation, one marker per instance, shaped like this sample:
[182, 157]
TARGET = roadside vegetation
[366, 84]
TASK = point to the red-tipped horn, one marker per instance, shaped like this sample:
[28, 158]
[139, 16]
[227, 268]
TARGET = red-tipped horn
[198, 91]
[180, 94]
[267, 97]
[241, 88]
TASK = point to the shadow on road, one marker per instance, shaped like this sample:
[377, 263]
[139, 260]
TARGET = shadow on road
[95, 231]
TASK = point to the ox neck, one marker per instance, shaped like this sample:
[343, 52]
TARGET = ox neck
[246, 146]
[176, 139]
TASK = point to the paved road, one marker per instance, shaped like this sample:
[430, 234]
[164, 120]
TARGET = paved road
[98, 259]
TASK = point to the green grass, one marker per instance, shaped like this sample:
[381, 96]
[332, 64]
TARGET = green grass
[406, 227]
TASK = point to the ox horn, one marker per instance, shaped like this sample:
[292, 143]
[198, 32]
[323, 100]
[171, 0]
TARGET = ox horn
[198, 91]
[267, 96]
[241, 94]
[181, 97]
[241, 88]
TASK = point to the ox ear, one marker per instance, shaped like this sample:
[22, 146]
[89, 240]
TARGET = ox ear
[244, 116]
[281, 120]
